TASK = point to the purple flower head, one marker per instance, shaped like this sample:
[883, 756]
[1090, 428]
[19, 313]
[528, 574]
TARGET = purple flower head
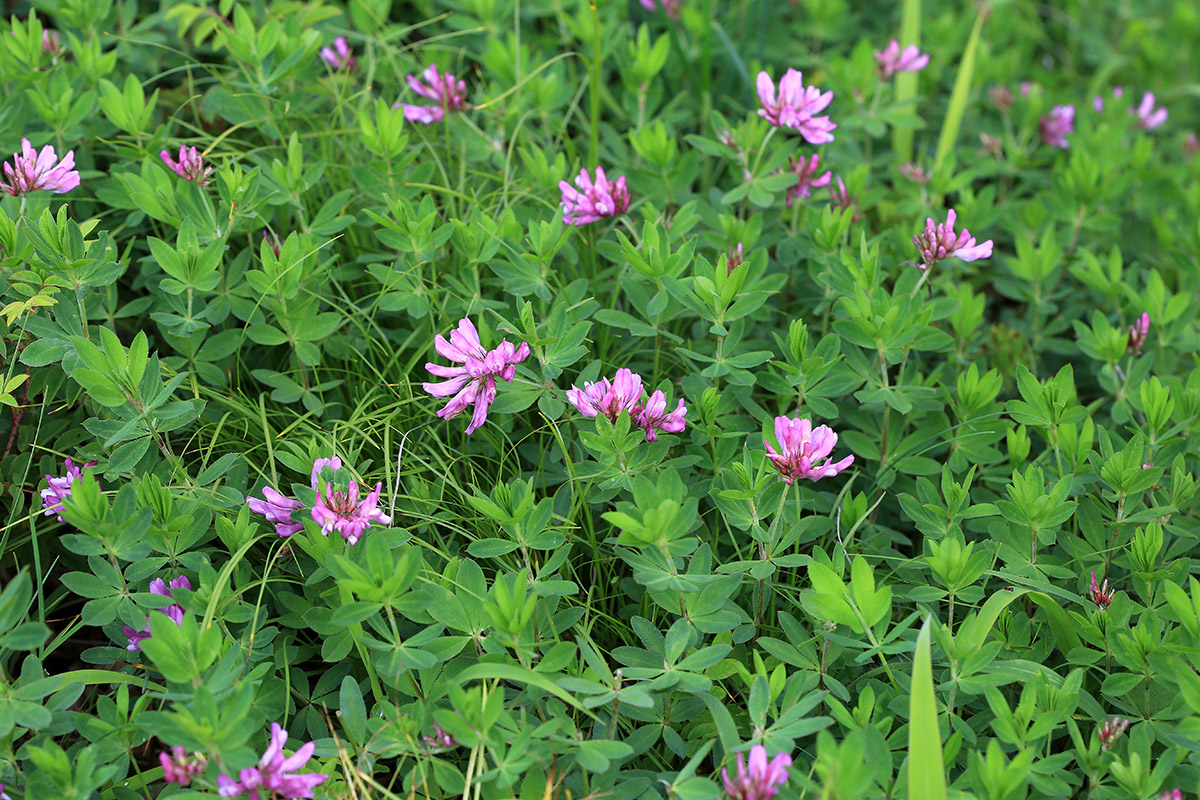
[340, 56]
[1101, 595]
[804, 451]
[190, 166]
[51, 43]
[174, 611]
[439, 740]
[734, 258]
[842, 199]
[179, 767]
[1149, 118]
[31, 171]
[273, 242]
[1110, 731]
[804, 170]
[1026, 87]
[1138, 332]
[1002, 97]
[344, 512]
[892, 59]
[1172, 794]
[60, 488]
[587, 201]
[623, 395]
[3, 796]
[915, 173]
[1098, 101]
[278, 510]
[671, 7]
[653, 416]
[795, 106]
[762, 780]
[473, 383]
[449, 94]
[611, 399]
[274, 773]
[1057, 125]
[939, 242]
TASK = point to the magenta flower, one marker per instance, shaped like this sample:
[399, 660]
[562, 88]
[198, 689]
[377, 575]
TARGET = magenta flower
[892, 59]
[1101, 595]
[762, 780]
[805, 169]
[653, 416]
[611, 399]
[1173, 794]
[1057, 125]
[60, 488]
[1149, 118]
[344, 512]
[1110, 731]
[273, 242]
[795, 106]
[449, 93]
[842, 199]
[274, 773]
[31, 171]
[1026, 87]
[805, 450]
[51, 43]
[1191, 146]
[174, 611]
[623, 395]
[3, 796]
[589, 201]
[1002, 97]
[278, 510]
[439, 740]
[670, 6]
[915, 173]
[475, 381]
[1138, 332]
[1098, 101]
[190, 166]
[179, 767]
[939, 242]
[340, 56]
[734, 259]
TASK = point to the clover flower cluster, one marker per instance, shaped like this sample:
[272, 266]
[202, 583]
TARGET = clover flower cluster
[275, 775]
[939, 242]
[190, 165]
[34, 171]
[761, 780]
[339, 507]
[59, 488]
[174, 611]
[624, 395]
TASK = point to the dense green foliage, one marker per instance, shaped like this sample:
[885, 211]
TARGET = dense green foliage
[585, 613]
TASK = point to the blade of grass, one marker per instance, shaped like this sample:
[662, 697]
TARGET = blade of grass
[906, 82]
[952, 124]
[595, 88]
[926, 770]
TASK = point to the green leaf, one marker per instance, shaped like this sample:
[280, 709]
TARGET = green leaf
[960, 95]
[926, 769]
[352, 709]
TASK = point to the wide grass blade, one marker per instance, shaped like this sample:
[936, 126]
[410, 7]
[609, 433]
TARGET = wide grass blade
[952, 124]
[926, 770]
[906, 82]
